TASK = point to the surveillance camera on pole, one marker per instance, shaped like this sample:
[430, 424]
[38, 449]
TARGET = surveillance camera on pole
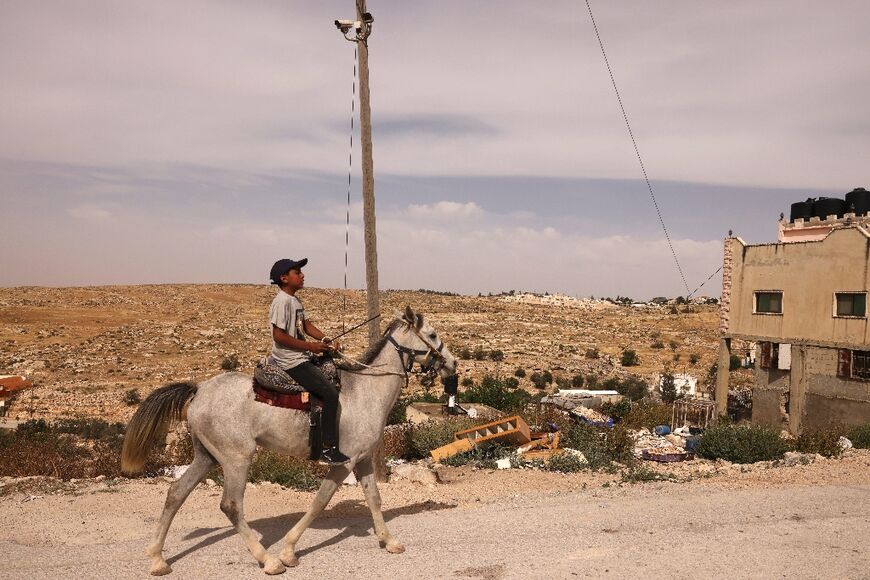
[361, 28]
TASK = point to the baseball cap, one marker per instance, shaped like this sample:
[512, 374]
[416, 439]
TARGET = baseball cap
[283, 266]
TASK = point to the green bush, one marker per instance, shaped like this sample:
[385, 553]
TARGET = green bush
[657, 344]
[694, 358]
[285, 470]
[538, 380]
[496, 393]
[433, 434]
[512, 382]
[632, 387]
[822, 441]
[465, 353]
[496, 355]
[479, 353]
[548, 377]
[566, 463]
[230, 362]
[734, 362]
[93, 429]
[860, 436]
[467, 382]
[742, 443]
[592, 353]
[629, 358]
[617, 411]
[563, 383]
[132, 398]
[647, 415]
[577, 381]
[483, 456]
[520, 373]
[600, 446]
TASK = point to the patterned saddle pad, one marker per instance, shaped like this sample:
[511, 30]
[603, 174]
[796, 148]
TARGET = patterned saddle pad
[276, 388]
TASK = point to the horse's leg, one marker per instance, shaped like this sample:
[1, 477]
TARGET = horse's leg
[232, 504]
[202, 463]
[365, 469]
[333, 479]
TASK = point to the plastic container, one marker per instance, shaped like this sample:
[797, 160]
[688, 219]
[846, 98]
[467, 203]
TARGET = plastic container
[662, 430]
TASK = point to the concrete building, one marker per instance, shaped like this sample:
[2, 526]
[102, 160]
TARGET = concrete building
[803, 301]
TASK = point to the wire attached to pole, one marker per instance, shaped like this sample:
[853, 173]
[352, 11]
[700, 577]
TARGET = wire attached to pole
[349, 174]
[636, 150]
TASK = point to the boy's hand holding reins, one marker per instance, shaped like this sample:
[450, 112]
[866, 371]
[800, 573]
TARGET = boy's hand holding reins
[324, 345]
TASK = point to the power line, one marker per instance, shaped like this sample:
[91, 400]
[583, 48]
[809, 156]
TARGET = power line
[349, 174]
[636, 150]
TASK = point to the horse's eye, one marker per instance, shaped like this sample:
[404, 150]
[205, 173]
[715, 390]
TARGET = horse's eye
[433, 336]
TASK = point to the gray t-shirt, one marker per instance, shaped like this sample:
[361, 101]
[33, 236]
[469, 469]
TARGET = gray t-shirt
[287, 313]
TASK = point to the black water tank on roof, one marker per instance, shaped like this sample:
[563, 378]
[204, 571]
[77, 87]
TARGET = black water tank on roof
[859, 198]
[826, 206]
[802, 210]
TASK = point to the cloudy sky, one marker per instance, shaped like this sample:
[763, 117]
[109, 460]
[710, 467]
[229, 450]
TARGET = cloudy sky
[198, 141]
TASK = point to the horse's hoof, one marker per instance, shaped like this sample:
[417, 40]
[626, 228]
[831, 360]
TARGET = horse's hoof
[161, 569]
[273, 566]
[395, 548]
[289, 560]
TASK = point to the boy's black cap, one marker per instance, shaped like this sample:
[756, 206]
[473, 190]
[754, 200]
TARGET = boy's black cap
[283, 266]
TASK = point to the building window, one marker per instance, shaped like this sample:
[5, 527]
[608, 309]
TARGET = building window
[853, 364]
[851, 304]
[768, 302]
[768, 355]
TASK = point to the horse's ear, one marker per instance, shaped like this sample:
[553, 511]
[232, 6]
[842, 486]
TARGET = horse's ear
[419, 323]
[409, 316]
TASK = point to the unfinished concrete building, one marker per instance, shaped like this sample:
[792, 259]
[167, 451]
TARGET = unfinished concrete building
[803, 303]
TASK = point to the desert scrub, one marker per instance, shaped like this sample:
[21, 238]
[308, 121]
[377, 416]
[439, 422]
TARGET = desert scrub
[132, 397]
[231, 362]
[617, 411]
[399, 412]
[566, 462]
[498, 393]
[483, 456]
[433, 434]
[860, 436]
[822, 441]
[641, 473]
[285, 470]
[742, 443]
[647, 415]
[601, 447]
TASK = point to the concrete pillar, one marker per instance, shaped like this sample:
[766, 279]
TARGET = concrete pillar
[722, 376]
[797, 388]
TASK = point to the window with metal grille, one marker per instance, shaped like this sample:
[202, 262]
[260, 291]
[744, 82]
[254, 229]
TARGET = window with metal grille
[861, 364]
[853, 364]
[768, 302]
[851, 304]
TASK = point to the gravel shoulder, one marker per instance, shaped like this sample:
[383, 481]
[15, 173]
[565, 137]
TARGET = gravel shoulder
[759, 521]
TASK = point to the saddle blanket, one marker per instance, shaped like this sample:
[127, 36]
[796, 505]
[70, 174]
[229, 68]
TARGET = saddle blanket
[300, 401]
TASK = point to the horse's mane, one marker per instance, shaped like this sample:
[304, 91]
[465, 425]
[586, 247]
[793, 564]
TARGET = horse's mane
[373, 351]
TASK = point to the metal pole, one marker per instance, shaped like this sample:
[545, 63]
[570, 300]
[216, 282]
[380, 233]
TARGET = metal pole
[368, 183]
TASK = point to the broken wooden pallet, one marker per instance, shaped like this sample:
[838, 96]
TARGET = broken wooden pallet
[511, 430]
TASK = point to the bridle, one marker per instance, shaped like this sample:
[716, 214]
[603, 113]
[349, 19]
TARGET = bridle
[434, 360]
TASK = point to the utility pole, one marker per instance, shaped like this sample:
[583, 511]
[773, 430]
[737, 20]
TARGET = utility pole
[361, 29]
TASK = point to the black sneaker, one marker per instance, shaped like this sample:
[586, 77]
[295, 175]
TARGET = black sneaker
[333, 456]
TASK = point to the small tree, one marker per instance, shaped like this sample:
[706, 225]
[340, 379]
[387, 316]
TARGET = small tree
[669, 388]
[629, 358]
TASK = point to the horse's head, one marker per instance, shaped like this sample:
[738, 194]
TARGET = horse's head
[421, 343]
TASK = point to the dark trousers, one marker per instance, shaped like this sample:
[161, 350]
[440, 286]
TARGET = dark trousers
[313, 381]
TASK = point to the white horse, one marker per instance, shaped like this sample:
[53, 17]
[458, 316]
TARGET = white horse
[227, 425]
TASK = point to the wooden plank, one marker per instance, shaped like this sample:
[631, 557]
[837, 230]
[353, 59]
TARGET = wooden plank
[451, 449]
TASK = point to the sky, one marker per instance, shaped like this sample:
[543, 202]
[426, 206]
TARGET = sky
[199, 141]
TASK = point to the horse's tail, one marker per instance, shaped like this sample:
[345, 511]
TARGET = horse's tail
[155, 415]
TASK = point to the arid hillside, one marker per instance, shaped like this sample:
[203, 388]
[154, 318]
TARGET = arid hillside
[85, 348]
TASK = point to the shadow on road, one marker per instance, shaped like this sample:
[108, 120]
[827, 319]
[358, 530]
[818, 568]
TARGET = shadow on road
[345, 516]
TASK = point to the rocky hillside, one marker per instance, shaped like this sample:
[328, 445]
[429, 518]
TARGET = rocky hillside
[85, 348]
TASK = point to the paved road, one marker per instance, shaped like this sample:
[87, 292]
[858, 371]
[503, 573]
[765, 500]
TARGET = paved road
[639, 532]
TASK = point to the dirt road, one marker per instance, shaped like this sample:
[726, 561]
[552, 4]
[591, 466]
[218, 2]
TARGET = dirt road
[582, 526]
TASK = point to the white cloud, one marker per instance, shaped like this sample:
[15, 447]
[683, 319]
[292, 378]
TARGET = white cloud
[445, 210]
[90, 213]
